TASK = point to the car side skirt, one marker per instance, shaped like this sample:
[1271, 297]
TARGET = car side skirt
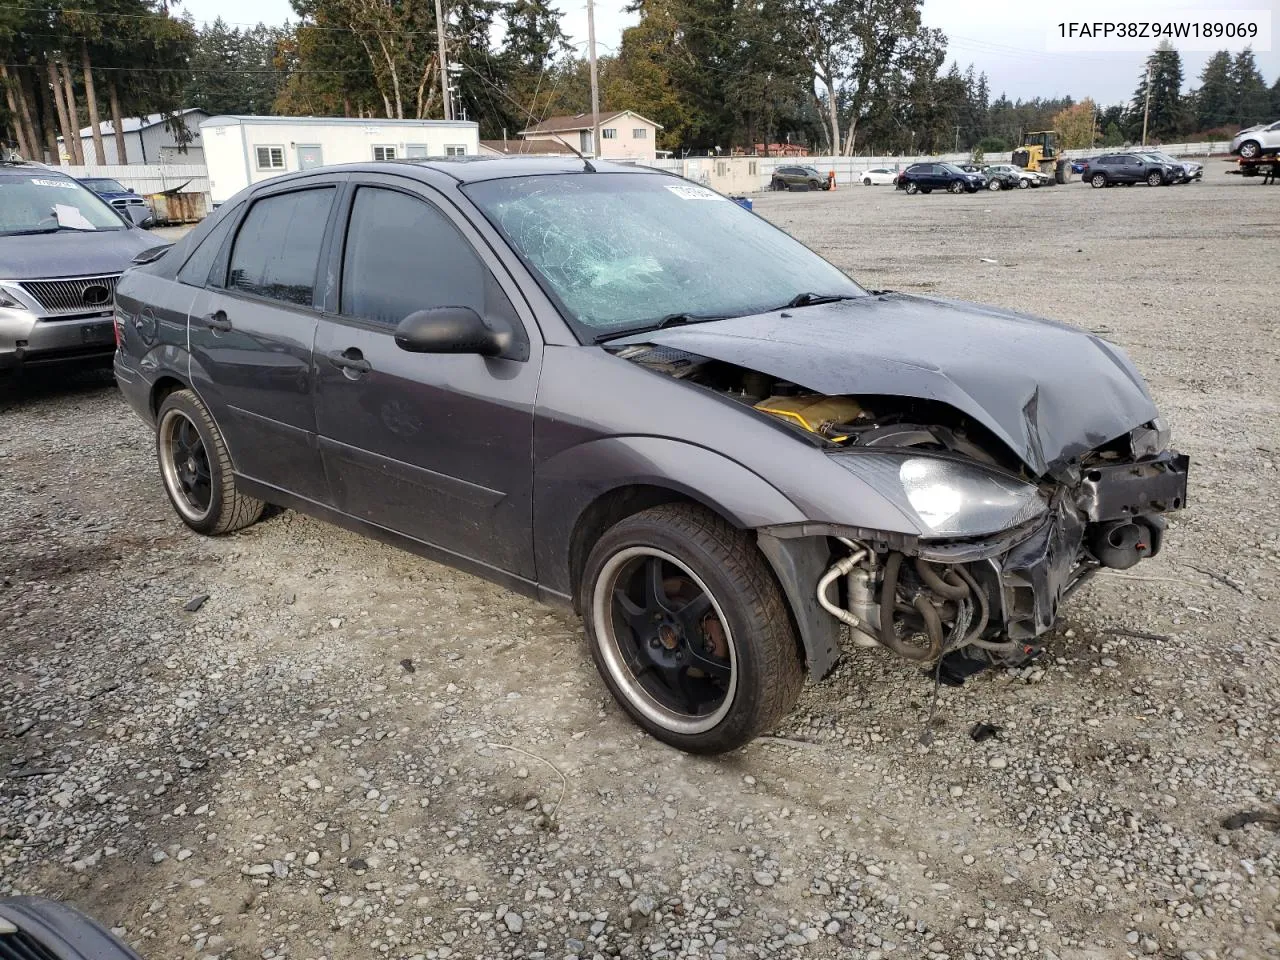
[283, 498]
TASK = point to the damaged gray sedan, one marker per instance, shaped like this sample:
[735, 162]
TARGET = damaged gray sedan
[611, 388]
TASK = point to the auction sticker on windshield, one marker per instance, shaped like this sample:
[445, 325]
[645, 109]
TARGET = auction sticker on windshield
[60, 184]
[689, 192]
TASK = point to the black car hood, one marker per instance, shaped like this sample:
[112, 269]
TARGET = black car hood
[71, 254]
[1048, 390]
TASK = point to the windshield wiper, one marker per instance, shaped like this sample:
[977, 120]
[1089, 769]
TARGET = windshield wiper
[28, 233]
[810, 299]
[670, 320]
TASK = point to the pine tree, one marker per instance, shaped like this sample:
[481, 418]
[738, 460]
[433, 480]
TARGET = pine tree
[1214, 99]
[1251, 100]
[1164, 111]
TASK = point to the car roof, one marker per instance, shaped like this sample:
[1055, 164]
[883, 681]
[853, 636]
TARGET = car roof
[25, 168]
[473, 169]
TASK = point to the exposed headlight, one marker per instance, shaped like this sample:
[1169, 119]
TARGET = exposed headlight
[949, 498]
[8, 300]
[953, 499]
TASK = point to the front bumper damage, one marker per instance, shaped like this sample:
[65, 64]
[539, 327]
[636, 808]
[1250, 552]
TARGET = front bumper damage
[992, 596]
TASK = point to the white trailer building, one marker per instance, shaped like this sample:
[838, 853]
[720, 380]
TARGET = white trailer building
[242, 150]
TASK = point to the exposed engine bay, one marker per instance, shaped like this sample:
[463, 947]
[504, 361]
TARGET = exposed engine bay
[989, 594]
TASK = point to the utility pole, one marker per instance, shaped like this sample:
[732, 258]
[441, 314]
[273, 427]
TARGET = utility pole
[595, 79]
[1146, 107]
[444, 64]
[957, 138]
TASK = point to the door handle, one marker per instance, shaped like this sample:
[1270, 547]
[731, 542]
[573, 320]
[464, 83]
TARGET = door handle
[218, 321]
[351, 362]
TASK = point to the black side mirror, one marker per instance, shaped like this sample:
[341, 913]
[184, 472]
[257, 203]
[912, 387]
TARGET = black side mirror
[130, 189]
[450, 330]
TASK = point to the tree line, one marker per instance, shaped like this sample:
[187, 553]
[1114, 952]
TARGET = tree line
[834, 76]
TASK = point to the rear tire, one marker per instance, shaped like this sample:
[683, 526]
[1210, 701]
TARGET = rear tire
[195, 468]
[912, 188]
[1097, 181]
[866, 182]
[640, 645]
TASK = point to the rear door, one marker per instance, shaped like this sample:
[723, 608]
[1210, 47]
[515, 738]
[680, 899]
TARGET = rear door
[438, 447]
[252, 333]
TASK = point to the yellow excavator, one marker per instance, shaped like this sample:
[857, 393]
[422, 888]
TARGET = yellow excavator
[1039, 153]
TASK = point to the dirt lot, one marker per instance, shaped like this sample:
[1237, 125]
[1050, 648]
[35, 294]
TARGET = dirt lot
[351, 752]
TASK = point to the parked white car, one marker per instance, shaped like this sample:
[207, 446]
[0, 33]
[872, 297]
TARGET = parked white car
[877, 177]
[1255, 141]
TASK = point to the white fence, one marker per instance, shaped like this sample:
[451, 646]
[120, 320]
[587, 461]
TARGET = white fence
[147, 178]
[847, 168]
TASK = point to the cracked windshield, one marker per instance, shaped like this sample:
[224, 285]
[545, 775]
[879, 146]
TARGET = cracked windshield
[625, 250]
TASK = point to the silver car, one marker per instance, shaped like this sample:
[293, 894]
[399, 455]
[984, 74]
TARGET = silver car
[62, 249]
[1255, 141]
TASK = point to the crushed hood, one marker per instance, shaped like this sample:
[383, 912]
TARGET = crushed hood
[1049, 391]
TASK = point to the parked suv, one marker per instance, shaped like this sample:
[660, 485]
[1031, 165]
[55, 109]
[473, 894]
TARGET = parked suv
[62, 249]
[613, 389]
[786, 177]
[1128, 168]
[1184, 170]
[927, 177]
[1257, 141]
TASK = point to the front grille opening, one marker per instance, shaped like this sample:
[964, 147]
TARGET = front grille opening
[79, 295]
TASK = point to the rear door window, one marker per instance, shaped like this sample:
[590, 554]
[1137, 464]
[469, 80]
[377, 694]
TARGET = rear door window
[277, 251]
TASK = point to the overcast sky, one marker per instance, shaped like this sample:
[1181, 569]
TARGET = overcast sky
[1004, 40]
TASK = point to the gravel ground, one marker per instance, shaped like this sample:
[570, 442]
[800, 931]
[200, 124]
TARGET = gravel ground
[346, 751]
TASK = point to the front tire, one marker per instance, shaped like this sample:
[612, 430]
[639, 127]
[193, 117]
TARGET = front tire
[195, 468]
[994, 185]
[689, 629]
[1023, 183]
[1155, 179]
[1250, 149]
[955, 186]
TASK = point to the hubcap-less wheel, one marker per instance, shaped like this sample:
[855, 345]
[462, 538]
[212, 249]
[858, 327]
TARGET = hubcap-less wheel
[184, 465]
[866, 182]
[665, 640]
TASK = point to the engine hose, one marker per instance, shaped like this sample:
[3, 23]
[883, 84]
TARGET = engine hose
[932, 625]
[984, 609]
[944, 588]
[888, 602]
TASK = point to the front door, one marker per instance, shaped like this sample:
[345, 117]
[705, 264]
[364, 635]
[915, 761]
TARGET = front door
[437, 447]
[310, 155]
[415, 151]
[252, 332]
